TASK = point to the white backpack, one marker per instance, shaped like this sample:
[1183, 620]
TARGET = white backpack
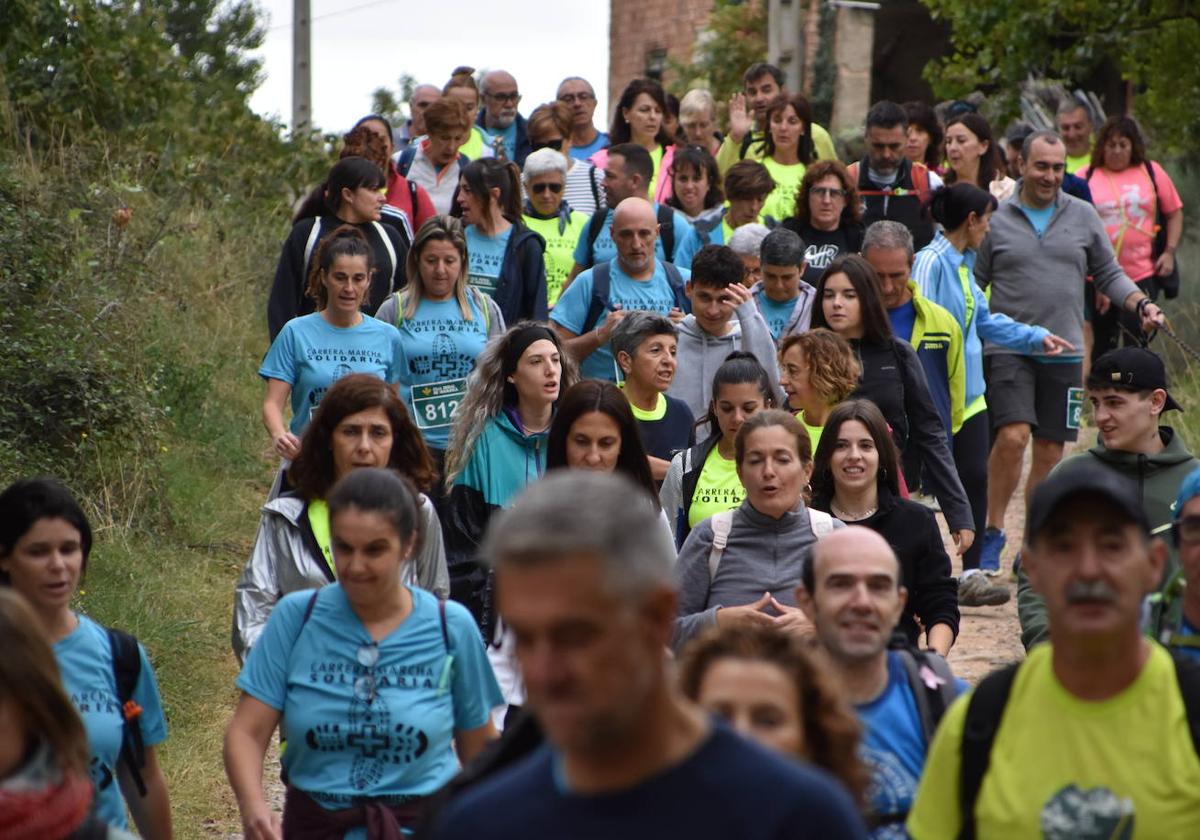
[722, 524]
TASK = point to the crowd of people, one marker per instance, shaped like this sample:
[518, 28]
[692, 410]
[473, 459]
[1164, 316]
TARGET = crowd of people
[608, 492]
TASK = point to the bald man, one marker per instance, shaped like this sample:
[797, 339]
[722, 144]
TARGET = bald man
[851, 592]
[504, 128]
[422, 97]
[634, 279]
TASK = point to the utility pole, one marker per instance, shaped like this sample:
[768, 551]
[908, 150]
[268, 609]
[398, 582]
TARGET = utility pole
[301, 66]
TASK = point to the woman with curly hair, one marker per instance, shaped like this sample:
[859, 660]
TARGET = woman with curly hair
[498, 444]
[828, 217]
[361, 422]
[817, 370]
[771, 688]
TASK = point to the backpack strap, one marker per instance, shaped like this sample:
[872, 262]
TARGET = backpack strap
[746, 142]
[595, 227]
[404, 162]
[312, 602]
[592, 180]
[1187, 674]
[412, 198]
[985, 710]
[675, 278]
[932, 684]
[601, 292]
[391, 249]
[820, 522]
[127, 670]
[666, 231]
[722, 524]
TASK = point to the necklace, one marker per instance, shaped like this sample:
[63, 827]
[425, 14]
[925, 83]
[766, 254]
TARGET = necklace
[847, 516]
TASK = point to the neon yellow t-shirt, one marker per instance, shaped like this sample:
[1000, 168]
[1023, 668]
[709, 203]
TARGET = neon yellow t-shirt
[656, 157]
[657, 413]
[1077, 162]
[473, 148]
[1123, 767]
[560, 249]
[781, 203]
[717, 489]
[814, 432]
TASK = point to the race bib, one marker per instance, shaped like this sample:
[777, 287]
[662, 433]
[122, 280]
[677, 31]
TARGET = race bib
[435, 403]
[1074, 407]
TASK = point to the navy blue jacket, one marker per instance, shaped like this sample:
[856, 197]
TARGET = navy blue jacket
[521, 288]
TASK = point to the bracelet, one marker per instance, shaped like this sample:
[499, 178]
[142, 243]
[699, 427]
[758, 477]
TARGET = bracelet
[1142, 304]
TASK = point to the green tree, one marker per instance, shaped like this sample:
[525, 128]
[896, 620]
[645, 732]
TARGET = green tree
[734, 38]
[1154, 43]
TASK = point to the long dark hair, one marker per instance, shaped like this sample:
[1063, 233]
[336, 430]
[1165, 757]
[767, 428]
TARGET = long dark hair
[29, 500]
[921, 115]
[486, 174]
[991, 162]
[312, 473]
[739, 368]
[867, 413]
[804, 111]
[619, 131]
[1119, 127]
[877, 329]
[591, 395]
[701, 160]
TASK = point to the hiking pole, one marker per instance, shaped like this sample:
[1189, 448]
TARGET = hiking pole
[1183, 345]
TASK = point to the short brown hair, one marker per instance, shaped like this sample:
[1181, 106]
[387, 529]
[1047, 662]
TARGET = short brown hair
[831, 729]
[817, 171]
[312, 472]
[748, 179]
[833, 368]
[766, 419]
[553, 116]
[446, 115]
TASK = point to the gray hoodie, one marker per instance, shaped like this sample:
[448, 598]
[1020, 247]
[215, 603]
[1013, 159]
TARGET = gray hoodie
[761, 555]
[700, 354]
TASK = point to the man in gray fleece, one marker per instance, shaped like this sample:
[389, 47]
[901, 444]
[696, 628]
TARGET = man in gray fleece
[1041, 247]
[711, 332]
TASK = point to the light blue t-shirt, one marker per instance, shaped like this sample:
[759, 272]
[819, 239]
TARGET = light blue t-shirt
[1186, 629]
[358, 729]
[653, 295]
[508, 137]
[438, 348]
[774, 313]
[485, 259]
[85, 660]
[904, 319]
[310, 354]
[1038, 217]
[687, 242]
[893, 749]
[585, 152]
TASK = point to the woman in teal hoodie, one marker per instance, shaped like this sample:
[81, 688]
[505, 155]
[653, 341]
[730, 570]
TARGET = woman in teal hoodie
[498, 446]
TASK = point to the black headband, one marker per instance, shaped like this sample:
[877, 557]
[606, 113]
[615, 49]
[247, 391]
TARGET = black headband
[520, 342]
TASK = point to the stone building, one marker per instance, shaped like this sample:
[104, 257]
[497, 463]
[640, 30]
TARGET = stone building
[643, 33]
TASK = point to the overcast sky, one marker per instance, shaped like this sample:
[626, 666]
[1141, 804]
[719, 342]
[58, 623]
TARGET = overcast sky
[360, 45]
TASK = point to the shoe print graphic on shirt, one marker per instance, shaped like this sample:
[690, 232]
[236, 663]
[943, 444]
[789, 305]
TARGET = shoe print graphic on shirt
[1093, 814]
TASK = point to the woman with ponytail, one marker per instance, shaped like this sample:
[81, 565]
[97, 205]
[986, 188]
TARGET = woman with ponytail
[945, 272]
[313, 351]
[505, 258]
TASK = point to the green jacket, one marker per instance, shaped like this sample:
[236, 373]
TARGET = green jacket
[1158, 478]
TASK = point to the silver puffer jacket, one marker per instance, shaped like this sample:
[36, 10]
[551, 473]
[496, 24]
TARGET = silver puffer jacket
[281, 563]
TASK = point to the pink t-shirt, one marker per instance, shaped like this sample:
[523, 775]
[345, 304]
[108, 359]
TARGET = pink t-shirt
[1125, 201]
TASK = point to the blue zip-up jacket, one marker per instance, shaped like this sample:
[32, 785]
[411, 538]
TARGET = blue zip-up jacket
[935, 270]
[521, 286]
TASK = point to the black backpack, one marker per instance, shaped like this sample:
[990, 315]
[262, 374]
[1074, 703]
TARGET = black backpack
[666, 232]
[127, 669]
[933, 684]
[602, 292]
[986, 710]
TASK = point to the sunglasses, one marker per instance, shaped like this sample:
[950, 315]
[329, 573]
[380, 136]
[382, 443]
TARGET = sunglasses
[541, 188]
[364, 685]
[556, 145]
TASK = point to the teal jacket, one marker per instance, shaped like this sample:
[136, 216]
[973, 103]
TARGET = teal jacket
[1158, 478]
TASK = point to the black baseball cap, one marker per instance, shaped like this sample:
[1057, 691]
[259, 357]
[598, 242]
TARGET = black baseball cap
[1086, 478]
[1131, 368]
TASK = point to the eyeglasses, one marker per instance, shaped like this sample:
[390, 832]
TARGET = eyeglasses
[556, 145]
[541, 188]
[364, 685]
[1188, 529]
[572, 98]
[512, 97]
[828, 192]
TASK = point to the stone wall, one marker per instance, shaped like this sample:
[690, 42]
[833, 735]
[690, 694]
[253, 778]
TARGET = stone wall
[643, 33]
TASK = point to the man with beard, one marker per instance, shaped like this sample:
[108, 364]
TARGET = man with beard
[587, 590]
[851, 592]
[498, 118]
[889, 184]
[1094, 734]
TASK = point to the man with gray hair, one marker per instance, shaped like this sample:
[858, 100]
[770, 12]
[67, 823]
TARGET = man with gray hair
[1074, 120]
[1041, 246]
[584, 582]
[782, 296]
[644, 345]
[578, 94]
[422, 97]
[501, 124]
[746, 242]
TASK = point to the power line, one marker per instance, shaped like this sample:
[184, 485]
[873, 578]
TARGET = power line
[338, 13]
